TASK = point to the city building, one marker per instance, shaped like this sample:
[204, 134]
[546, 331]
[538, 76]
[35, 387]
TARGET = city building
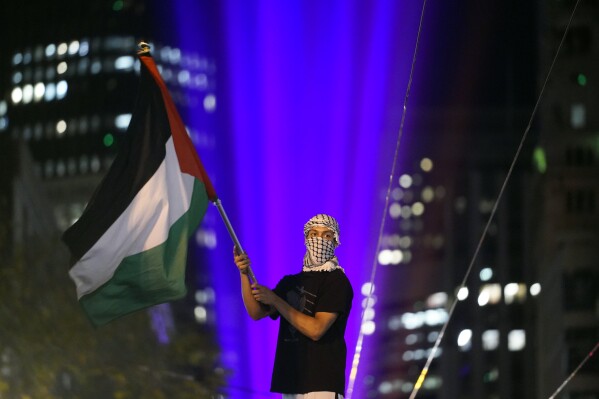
[564, 203]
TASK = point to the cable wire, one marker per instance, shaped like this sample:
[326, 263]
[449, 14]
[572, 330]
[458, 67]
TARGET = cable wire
[359, 343]
[588, 356]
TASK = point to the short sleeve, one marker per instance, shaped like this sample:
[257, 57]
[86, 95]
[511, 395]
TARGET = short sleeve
[336, 294]
[280, 290]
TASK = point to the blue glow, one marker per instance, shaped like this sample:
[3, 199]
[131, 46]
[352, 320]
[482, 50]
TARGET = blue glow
[309, 103]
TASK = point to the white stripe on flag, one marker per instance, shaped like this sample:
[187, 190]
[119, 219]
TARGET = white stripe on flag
[144, 224]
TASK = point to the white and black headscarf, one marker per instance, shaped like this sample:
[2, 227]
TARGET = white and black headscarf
[320, 253]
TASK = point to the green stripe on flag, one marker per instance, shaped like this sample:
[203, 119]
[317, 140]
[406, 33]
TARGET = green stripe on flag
[150, 277]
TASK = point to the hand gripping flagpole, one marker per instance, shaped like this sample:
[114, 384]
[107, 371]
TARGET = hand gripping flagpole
[223, 214]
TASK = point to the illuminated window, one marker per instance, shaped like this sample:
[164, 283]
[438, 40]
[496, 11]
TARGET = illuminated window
[62, 49]
[27, 94]
[434, 317]
[50, 92]
[412, 321]
[428, 194]
[490, 294]
[205, 296]
[96, 67]
[535, 289]
[465, 340]
[397, 193]
[514, 292]
[490, 340]
[394, 323]
[405, 181]
[437, 300]
[124, 63]
[405, 242]
[73, 47]
[61, 68]
[432, 336]
[38, 91]
[419, 354]
[516, 340]
[61, 127]
[17, 58]
[368, 327]
[432, 382]
[417, 208]
[201, 314]
[175, 56]
[426, 164]
[83, 48]
[210, 103]
[17, 77]
[462, 293]
[486, 274]
[411, 339]
[578, 116]
[61, 90]
[395, 210]
[183, 77]
[50, 50]
[16, 95]
[367, 289]
[406, 211]
[122, 121]
[390, 257]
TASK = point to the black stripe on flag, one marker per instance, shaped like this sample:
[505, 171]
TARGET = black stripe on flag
[139, 156]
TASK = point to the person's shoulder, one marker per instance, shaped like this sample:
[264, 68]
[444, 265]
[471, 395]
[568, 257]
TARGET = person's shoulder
[339, 274]
[289, 278]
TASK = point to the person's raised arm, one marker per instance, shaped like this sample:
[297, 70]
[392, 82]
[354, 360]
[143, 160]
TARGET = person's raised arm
[254, 309]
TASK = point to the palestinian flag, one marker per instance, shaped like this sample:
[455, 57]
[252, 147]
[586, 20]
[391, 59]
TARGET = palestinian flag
[129, 248]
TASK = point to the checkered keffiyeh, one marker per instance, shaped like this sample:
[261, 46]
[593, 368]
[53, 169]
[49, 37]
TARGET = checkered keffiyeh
[320, 253]
[323, 220]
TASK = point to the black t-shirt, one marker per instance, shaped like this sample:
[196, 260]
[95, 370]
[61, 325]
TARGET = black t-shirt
[301, 364]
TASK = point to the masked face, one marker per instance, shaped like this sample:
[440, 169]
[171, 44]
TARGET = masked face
[322, 237]
[319, 250]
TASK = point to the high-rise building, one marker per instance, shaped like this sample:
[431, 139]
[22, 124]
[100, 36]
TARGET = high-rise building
[566, 217]
[438, 213]
[70, 78]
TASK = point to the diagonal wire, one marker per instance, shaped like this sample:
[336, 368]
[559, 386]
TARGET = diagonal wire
[359, 343]
[425, 369]
[588, 356]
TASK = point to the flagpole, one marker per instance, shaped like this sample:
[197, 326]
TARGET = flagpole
[225, 218]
